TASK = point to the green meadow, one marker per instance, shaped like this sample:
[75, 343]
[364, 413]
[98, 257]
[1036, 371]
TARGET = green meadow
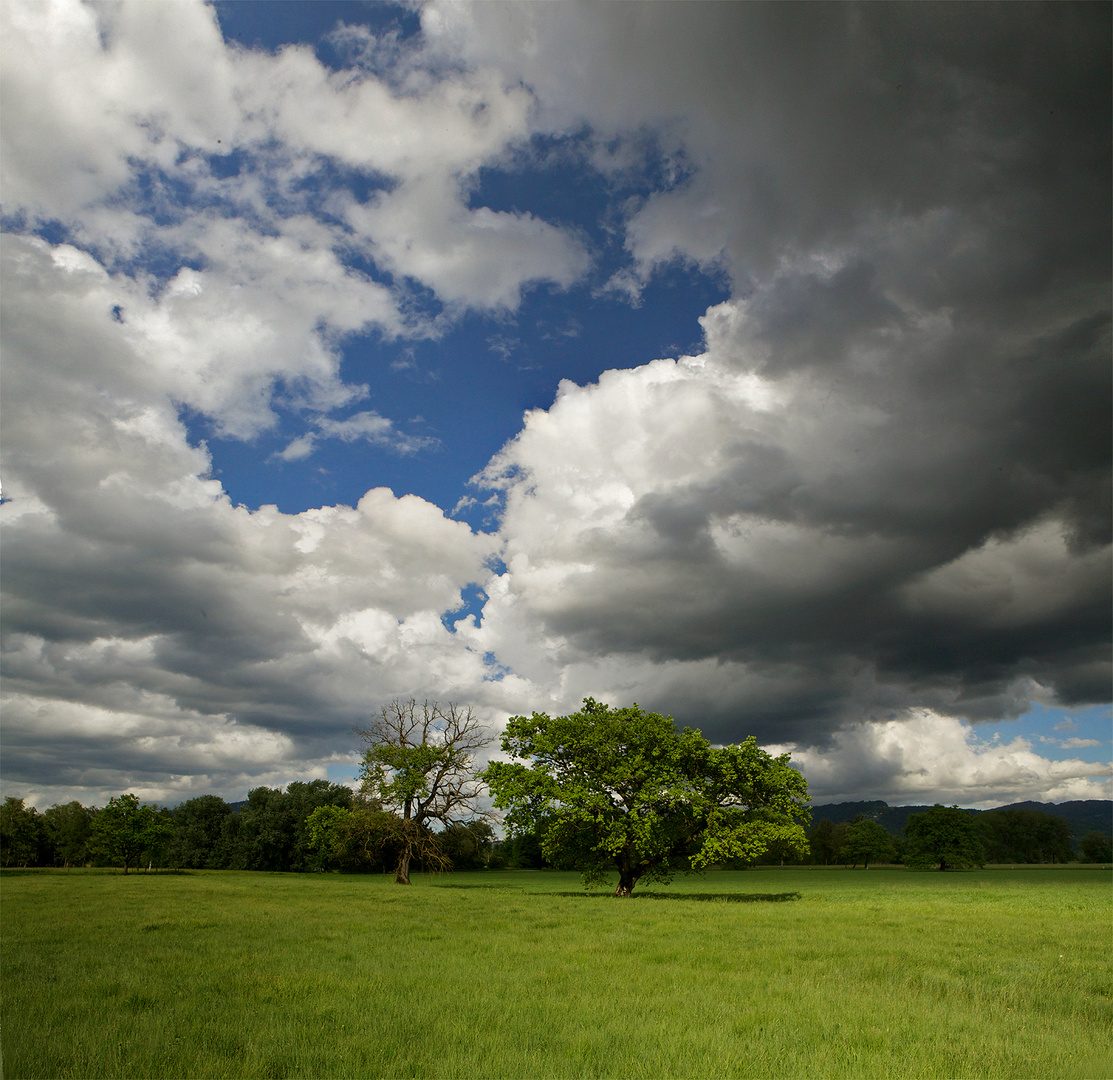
[796, 972]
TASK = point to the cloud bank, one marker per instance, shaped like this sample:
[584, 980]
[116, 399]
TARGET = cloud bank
[872, 508]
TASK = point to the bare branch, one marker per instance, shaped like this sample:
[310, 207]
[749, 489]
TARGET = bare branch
[419, 763]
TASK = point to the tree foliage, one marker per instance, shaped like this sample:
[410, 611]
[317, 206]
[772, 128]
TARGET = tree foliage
[270, 831]
[622, 789]
[826, 839]
[22, 834]
[1025, 836]
[69, 828]
[468, 845]
[866, 841]
[364, 837]
[199, 832]
[943, 836]
[1095, 847]
[419, 764]
[126, 829]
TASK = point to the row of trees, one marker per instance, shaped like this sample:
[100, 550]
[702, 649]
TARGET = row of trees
[601, 790]
[996, 836]
[322, 826]
[417, 805]
[943, 837]
[309, 826]
[605, 789]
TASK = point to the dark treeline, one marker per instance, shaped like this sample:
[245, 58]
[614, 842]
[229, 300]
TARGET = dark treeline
[321, 826]
[1006, 835]
[311, 826]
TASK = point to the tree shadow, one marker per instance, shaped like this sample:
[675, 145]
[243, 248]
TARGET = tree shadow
[709, 898]
[606, 893]
[90, 871]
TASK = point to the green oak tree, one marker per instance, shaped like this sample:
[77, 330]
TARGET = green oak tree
[943, 836]
[323, 830]
[362, 837]
[419, 764]
[125, 829]
[622, 789]
[866, 841]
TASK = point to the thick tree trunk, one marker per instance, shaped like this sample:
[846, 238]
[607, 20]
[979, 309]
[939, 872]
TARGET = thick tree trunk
[627, 879]
[402, 874]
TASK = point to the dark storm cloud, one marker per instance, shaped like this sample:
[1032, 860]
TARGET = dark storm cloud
[914, 203]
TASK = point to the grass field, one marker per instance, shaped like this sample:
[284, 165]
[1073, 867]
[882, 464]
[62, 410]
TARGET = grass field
[800, 972]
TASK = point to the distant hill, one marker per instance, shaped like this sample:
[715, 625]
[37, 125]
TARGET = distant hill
[1084, 815]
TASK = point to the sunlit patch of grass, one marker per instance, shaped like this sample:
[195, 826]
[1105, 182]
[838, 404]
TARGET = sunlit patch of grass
[771, 973]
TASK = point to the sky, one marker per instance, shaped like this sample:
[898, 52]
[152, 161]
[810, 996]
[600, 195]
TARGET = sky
[747, 361]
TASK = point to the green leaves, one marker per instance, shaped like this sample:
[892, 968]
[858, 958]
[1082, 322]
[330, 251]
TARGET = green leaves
[397, 775]
[125, 829]
[943, 836]
[624, 789]
[866, 842]
[418, 764]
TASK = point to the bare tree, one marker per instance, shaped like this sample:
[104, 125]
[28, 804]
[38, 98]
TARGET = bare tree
[419, 764]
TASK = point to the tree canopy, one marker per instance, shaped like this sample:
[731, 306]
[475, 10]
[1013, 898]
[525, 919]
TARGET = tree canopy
[1016, 834]
[419, 763]
[943, 836]
[126, 828]
[622, 789]
[867, 841]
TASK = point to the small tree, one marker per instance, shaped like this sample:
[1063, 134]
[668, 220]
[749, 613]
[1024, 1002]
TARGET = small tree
[867, 841]
[366, 837]
[624, 789]
[125, 829]
[1095, 847]
[943, 836]
[419, 763]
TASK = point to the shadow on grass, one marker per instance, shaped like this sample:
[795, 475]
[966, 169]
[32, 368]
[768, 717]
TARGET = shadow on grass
[98, 871]
[711, 898]
[607, 894]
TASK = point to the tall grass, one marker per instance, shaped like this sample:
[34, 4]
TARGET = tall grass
[772, 973]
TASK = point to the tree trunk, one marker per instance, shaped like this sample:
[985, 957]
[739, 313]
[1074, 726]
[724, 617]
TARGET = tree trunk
[402, 874]
[627, 879]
